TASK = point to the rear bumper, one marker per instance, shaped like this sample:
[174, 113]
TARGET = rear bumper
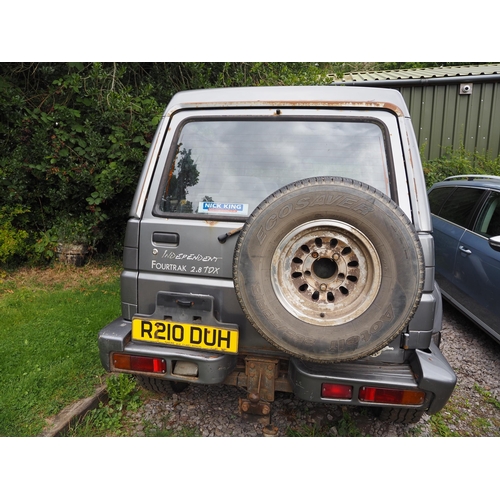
[426, 370]
[213, 368]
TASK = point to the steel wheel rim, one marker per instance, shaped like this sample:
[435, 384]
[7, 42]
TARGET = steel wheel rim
[326, 272]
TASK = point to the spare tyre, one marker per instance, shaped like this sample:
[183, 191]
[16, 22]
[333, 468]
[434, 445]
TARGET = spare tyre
[328, 269]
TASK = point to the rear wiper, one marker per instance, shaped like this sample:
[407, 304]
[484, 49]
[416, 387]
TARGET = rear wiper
[227, 235]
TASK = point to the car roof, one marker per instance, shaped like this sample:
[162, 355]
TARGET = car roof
[471, 180]
[292, 96]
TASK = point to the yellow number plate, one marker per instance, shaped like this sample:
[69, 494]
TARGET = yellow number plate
[210, 338]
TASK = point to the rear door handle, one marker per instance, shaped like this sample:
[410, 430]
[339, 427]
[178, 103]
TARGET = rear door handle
[166, 238]
[464, 250]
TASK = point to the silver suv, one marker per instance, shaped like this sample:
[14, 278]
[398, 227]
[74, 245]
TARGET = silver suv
[280, 239]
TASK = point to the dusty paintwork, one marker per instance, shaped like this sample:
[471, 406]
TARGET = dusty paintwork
[289, 104]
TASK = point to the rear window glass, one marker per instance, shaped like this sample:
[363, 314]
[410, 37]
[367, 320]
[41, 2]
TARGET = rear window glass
[226, 168]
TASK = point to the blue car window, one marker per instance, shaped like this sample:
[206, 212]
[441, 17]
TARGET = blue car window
[460, 205]
[438, 196]
[488, 223]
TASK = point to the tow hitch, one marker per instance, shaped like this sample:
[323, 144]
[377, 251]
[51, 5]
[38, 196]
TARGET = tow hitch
[261, 375]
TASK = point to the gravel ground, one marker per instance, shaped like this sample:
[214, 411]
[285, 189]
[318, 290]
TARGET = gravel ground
[473, 410]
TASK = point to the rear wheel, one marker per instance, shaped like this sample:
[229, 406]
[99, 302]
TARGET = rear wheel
[160, 386]
[400, 415]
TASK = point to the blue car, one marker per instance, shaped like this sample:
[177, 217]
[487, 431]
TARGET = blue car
[466, 220]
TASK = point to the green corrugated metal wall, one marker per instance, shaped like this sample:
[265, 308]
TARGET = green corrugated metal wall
[443, 117]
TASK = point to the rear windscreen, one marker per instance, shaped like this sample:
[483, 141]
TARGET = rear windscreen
[227, 167]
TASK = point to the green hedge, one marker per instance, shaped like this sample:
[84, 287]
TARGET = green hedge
[460, 161]
[74, 136]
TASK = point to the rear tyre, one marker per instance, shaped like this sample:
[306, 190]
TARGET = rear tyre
[399, 415]
[178, 387]
[160, 386]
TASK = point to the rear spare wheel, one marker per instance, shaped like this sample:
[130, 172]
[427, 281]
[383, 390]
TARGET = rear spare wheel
[328, 269]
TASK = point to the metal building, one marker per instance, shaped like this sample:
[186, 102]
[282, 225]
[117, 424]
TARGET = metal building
[449, 106]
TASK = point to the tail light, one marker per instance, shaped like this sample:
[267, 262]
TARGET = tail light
[138, 363]
[391, 396]
[336, 391]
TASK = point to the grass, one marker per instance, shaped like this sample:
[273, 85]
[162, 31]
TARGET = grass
[440, 426]
[114, 418]
[344, 427]
[48, 340]
[184, 431]
[306, 431]
[464, 418]
[49, 358]
[110, 419]
[488, 398]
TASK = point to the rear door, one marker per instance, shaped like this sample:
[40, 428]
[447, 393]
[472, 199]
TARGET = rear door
[216, 166]
[477, 266]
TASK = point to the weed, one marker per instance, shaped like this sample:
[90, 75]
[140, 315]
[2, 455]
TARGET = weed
[123, 392]
[482, 424]
[305, 431]
[487, 396]
[109, 419]
[415, 431]
[102, 421]
[184, 431]
[346, 427]
[440, 427]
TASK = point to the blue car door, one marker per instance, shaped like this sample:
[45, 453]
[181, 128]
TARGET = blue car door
[446, 240]
[477, 267]
[452, 210]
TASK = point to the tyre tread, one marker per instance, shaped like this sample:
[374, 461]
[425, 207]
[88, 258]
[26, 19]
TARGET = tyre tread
[157, 385]
[400, 415]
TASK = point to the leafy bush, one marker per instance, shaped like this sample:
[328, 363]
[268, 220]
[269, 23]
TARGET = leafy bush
[75, 152]
[74, 136]
[459, 162]
[12, 241]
